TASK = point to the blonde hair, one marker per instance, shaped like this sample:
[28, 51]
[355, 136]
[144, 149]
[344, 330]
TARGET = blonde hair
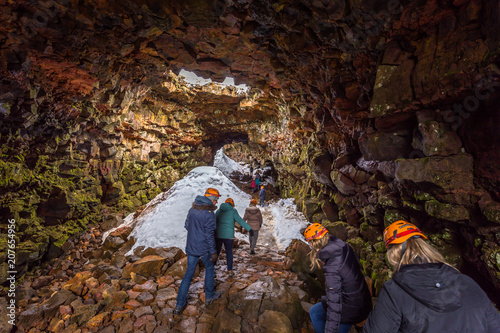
[316, 245]
[417, 251]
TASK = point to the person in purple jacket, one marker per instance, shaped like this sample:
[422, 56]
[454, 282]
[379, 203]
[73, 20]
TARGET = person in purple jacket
[348, 299]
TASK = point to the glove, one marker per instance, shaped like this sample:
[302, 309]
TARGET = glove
[213, 258]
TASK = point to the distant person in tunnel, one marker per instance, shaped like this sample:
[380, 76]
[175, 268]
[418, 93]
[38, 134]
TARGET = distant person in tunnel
[262, 195]
[348, 299]
[253, 217]
[200, 225]
[253, 185]
[226, 216]
[426, 294]
[257, 183]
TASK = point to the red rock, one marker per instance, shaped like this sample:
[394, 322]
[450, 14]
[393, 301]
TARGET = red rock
[121, 314]
[65, 309]
[164, 281]
[132, 304]
[146, 286]
[97, 321]
[147, 266]
[122, 233]
[145, 320]
[133, 294]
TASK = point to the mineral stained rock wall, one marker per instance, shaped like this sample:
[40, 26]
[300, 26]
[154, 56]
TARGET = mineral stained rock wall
[370, 111]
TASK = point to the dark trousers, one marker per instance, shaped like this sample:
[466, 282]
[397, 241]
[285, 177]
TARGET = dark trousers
[253, 235]
[228, 246]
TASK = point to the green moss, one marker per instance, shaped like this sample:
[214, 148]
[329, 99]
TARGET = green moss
[423, 196]
[446, 211]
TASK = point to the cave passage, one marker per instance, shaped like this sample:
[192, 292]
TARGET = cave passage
[365, 113]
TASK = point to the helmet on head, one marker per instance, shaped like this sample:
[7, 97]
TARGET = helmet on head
[315, 231]
[212, 192]
[230, 201]
[262, 186]
[253, 201]
[400, 231]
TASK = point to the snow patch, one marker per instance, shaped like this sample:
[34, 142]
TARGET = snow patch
[288, 222]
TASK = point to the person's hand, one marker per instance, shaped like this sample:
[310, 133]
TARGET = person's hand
[213, 258]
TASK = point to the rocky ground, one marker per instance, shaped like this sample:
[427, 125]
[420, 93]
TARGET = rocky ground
[96, 287]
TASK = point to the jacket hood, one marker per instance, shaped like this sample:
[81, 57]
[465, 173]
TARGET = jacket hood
[226, 207]
[202, 202]
[437, 286]
[252, 210]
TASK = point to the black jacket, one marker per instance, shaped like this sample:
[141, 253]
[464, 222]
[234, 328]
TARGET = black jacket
[432, 298]
[348, 299]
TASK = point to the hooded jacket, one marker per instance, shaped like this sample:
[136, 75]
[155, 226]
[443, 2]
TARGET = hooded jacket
[253, 217]
[348, 298]
[226, 216]
[432, 298]
[200, 225]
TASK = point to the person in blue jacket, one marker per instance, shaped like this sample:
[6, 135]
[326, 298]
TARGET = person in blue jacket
[262, 195]
[226, 215]
[200, 225]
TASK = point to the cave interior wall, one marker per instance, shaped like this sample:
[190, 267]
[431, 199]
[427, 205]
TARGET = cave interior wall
[370, 111]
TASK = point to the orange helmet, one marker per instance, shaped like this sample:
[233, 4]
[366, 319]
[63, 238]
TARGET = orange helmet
[212, 192]
[315, 231]
[253, 201]
[400, 231]
[230, 201]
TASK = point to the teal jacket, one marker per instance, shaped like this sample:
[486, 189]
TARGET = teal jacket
[226, 215]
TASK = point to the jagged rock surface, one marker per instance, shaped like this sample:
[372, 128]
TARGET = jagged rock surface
[369, 111]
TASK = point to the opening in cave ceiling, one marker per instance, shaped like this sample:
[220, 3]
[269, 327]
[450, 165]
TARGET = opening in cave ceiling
[368, 111]
[192, 79]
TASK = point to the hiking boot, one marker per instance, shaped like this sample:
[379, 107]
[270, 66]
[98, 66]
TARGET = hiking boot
[231, 273]
[178, 310]
[252, 252]
[216, 296]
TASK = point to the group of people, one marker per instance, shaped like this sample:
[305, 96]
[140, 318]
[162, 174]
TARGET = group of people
[208, 229]
[255, 184]
[425, 294]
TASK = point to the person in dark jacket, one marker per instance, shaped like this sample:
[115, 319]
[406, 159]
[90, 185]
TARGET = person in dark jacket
[262, 195]
[426, 294]
[226, 215]
[254, 219]
[200, 225]
[348, 300]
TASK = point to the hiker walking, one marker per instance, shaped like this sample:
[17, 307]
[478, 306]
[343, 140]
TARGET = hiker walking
[257, 183]
[253, 185]
[200, 225]
[426, 294]
[254, 219]
[348, 299]
[226, 215]
[262, 195]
